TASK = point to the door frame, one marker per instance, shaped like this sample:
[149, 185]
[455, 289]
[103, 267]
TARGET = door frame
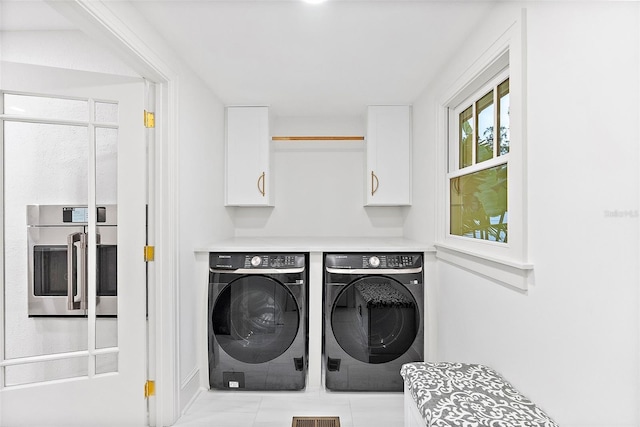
[144, 51]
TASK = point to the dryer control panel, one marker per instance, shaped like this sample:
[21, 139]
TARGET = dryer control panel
[374, 261]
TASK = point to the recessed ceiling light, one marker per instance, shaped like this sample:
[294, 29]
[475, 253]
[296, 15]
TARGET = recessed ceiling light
[314, 1]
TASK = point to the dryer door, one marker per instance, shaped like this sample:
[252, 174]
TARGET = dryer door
[375, 319]
[255, 319]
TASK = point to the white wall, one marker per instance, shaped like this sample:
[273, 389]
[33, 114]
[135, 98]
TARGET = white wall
[61, 48]
[571, 342]
[201, 215]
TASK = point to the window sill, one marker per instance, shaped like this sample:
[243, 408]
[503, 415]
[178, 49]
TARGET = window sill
[505, 272]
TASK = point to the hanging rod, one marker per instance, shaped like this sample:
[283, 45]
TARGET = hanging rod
[317, 138]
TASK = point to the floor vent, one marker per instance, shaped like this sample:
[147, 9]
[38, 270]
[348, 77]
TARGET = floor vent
[316, 422]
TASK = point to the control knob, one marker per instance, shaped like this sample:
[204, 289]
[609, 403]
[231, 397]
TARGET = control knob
[256, 261]
[374, 262]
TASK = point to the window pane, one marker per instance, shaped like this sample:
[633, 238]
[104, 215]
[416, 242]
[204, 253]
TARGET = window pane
[485, 112]
[106, 165]
[106, 363]
[503, 117]
[106, 112]
[45, 107]
[466, 137]
[48, 370]
[478, 204]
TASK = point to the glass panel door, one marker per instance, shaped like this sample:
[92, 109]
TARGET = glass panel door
[70, 162]
[60, 210]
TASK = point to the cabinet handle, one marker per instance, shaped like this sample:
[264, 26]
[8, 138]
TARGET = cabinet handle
[261, 187]
[374, 179]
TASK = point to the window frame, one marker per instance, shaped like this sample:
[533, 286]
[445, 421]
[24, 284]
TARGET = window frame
[454, 153]
[506, 263]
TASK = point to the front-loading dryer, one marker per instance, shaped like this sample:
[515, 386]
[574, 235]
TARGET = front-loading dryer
[373, 319]
[257, 321]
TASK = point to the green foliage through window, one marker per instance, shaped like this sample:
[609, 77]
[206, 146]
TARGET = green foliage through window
[479, 204]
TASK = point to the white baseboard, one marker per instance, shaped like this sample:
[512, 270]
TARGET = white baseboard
[189, 390]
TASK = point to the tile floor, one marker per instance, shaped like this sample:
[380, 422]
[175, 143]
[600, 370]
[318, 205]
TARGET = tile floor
[277, 409]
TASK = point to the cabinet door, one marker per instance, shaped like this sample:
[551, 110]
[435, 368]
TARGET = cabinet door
[247, 157]
[388, 147]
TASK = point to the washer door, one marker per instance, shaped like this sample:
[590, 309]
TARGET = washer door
[255, 319]
[375, 319]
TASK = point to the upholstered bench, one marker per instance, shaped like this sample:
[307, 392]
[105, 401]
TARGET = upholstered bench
[465, 395]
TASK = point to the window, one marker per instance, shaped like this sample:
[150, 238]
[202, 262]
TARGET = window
[479, 159]
[482, 179]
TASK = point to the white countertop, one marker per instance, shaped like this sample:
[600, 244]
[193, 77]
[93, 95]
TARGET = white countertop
[316, 244]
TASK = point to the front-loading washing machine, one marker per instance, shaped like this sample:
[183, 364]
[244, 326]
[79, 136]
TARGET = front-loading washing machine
[257, 321]
[373, 319]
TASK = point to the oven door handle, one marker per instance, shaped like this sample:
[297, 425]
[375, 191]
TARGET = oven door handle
[83, 272]
[72, 276]
[75, 301]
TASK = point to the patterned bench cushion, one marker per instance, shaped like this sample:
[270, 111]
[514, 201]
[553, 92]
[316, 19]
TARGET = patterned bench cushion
[469, 395]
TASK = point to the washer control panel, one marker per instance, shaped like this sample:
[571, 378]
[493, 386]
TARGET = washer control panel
[273, 261]
[256, 261]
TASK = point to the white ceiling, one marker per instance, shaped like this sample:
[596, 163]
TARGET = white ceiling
[332, 59]
[308, 60]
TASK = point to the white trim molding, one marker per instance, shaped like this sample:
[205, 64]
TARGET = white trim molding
[515, 275]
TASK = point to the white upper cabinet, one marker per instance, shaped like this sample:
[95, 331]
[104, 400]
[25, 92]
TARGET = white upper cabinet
[248, 157]
[388, 155]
